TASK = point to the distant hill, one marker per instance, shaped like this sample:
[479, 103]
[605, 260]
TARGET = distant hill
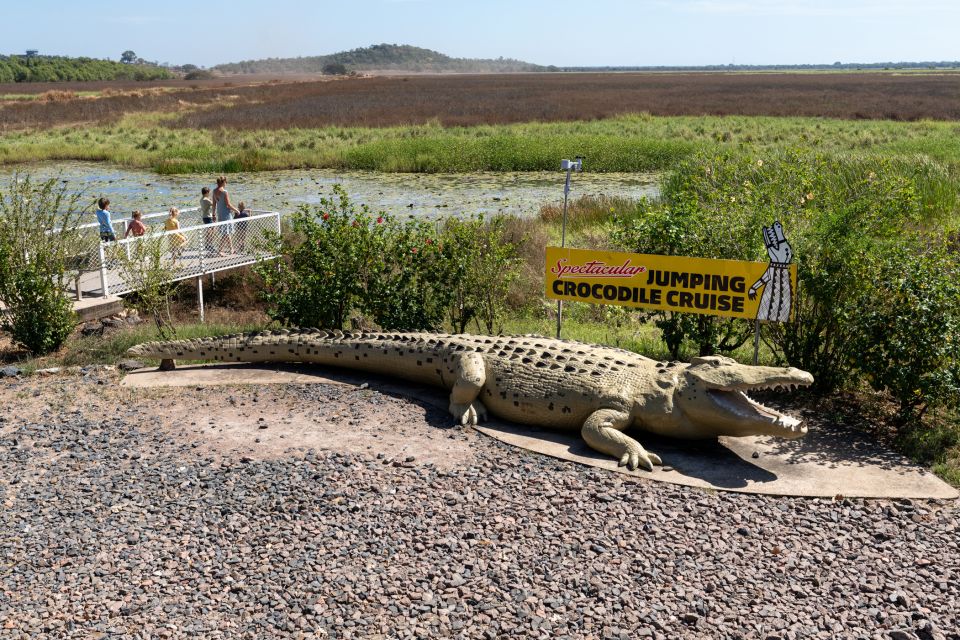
[381, 57]
[37, 68]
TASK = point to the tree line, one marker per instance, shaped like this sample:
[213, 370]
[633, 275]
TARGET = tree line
[66, 69]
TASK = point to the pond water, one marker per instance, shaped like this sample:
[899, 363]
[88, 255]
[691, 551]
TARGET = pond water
[426, 195]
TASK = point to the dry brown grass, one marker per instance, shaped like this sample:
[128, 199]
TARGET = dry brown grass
[57, 95]
[531, 239]
[587, 211]
[497, 98]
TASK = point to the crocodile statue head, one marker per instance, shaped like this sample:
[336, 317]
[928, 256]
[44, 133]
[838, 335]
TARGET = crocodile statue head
[709, 398]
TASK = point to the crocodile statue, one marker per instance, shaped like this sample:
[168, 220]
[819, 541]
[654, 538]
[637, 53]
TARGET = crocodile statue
[534, 380]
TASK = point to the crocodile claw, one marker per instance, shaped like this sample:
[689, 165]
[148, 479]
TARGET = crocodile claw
[469, 414]
[633, 458]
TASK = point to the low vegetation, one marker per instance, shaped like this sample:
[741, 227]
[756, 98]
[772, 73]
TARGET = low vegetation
[486, 123]
[629, 143]
[34, 262]
[402, 275]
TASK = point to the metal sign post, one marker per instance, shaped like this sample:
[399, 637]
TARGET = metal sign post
[756, 341]
[570, 166]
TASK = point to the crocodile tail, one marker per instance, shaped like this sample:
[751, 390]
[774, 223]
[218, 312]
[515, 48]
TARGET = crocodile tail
[261, 346]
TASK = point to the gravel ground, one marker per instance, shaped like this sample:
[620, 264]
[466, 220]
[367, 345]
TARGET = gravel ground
[120, 518]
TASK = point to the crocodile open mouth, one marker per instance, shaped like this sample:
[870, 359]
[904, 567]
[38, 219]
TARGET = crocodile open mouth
[742, 407]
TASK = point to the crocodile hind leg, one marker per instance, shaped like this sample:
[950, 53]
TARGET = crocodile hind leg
[471, 375]
[603, 431]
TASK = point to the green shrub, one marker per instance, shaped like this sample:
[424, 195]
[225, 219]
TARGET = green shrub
[338, 258]
[325, 264]
[908, 338]
[406, 287]
[34, 261]
[335, 69]
[480, 267]
[841, 215]
[42, 317]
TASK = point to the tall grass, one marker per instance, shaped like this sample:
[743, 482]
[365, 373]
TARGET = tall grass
[625, 143]
[588, 212]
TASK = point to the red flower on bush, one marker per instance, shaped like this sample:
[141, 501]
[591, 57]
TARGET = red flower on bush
[380, 220]
[414, 250]
[326, 216]
[429, 241]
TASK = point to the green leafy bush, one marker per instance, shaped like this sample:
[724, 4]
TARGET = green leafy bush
[42, 317]
[338, 258]
[34, 261]
[908, 337]
[325, 264]
[480, 267]
[406, 287]
[842, 216]
[335, 69]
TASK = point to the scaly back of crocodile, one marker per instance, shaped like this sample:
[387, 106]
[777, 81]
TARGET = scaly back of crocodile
[424, 357]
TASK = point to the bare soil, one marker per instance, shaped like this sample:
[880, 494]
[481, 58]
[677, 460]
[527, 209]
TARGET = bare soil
[255, 422]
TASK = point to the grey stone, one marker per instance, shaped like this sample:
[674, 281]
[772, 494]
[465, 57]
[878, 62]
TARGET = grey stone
[130, 365]
[112, 507]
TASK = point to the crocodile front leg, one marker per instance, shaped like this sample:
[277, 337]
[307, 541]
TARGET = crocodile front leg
[603, 432]
[471, 375]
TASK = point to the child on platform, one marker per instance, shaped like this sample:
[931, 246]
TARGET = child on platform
[135, 227]
[177, 240]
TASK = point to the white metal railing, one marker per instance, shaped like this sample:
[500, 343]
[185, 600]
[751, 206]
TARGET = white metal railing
[191, 251]
[120, 224]
[89, 233]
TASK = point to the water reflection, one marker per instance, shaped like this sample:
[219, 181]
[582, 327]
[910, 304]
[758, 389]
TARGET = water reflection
[426, 195]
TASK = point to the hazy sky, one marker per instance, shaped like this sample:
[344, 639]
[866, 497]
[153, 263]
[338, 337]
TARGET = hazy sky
[562, 32]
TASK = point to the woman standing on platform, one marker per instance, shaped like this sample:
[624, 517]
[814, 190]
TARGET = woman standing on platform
[224, 212]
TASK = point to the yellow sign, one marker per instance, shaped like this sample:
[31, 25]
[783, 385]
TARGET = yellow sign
[731, 288]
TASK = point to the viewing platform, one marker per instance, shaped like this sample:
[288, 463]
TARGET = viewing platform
[102, 272]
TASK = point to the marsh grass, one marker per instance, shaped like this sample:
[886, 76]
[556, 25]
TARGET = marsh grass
[588, 212]
[629, 143]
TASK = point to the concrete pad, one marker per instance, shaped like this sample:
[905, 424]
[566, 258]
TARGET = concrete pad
[226, 374]
[826, 463]
[97, 307]
[830, 461]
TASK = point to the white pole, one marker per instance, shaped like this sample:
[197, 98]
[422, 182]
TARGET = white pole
[104, 285]
[563, 243]
[200, 295]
